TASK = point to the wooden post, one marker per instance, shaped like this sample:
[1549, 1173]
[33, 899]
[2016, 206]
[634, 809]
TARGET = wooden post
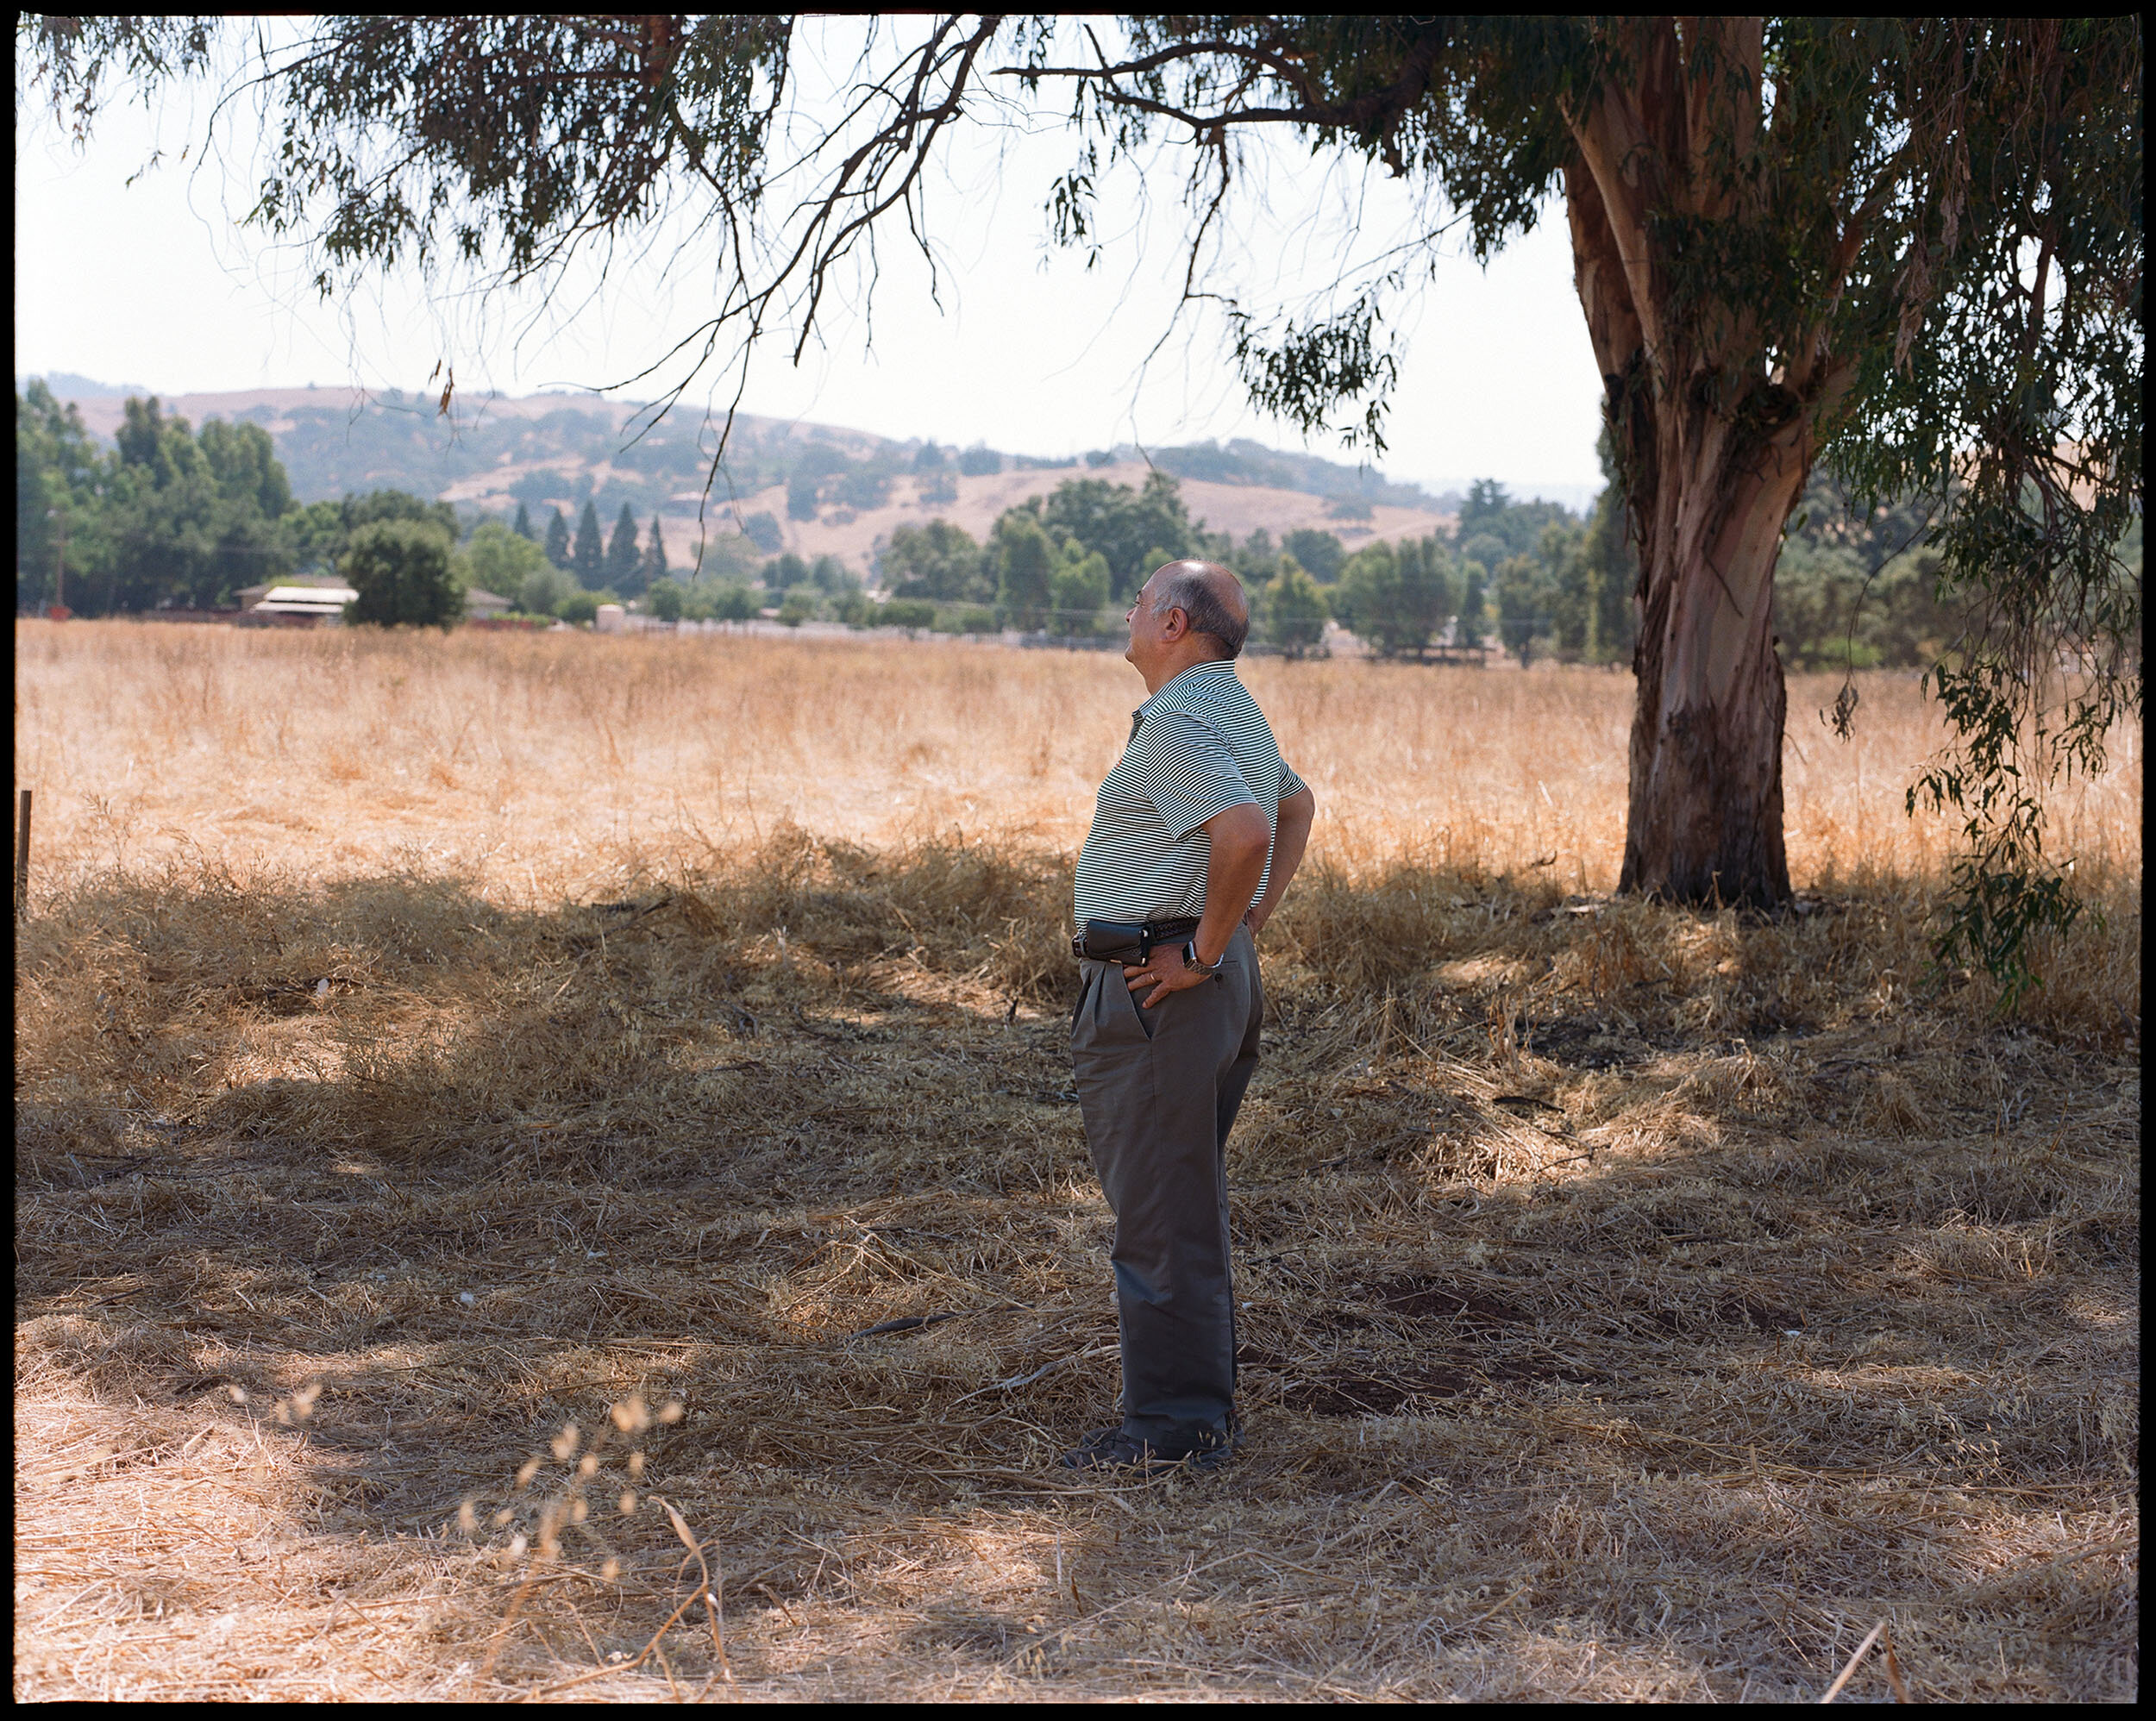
[23, 857]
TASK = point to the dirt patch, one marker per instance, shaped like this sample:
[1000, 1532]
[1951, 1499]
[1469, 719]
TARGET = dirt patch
[1451, 1301]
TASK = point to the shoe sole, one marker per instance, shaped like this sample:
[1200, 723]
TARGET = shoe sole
[1195, 1460]
[1211, 1459]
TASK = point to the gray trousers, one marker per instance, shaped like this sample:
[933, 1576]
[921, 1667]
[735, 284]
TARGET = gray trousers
[1159, 1089]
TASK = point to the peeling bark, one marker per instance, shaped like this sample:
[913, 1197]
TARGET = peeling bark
[1715, 449]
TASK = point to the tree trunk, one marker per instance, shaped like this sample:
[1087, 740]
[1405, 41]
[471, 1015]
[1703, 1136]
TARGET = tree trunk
[1704, 824]
[1713, 442]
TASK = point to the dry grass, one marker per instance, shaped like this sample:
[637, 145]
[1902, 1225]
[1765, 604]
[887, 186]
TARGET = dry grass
[1638, 1303]
[548, 768]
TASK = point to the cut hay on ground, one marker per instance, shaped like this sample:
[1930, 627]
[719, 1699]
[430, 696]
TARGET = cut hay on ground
[1636, 1303]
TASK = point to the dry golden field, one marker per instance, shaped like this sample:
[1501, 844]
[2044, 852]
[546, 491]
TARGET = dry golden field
[543, 769]
[476, 1095]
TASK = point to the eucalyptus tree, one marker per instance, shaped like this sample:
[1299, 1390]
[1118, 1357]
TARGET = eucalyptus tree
[1908, 249]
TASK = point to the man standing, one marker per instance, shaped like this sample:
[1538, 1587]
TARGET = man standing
[1196, 833]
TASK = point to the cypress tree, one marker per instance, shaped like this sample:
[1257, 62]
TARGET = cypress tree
[524, 523]
[621, 554]
[589, 558]
[653, 567]
[558, 542]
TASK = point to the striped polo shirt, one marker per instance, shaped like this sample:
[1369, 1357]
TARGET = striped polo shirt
[1198, 747]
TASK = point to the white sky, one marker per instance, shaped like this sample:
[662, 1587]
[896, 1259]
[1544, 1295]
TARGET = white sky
[156, 283]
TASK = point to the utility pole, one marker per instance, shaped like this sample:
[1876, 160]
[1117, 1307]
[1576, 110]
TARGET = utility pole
[58, 609]
[22, 856]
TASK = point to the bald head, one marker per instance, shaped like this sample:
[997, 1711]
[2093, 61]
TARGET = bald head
[1210, 595]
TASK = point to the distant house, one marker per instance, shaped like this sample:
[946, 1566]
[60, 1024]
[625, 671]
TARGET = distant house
[304, 603]
[251, 595]
[484, 606]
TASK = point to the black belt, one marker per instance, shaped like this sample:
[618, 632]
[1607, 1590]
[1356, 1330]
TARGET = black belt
[1118, 940]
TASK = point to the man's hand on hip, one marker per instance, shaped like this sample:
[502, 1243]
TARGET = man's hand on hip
[1163, 971]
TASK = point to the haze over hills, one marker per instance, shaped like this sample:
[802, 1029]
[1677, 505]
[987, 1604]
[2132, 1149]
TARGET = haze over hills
[550, 451]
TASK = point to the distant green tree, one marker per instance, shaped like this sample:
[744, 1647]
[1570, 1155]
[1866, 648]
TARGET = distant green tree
[1486, 501]
[764, 531]
[154, 445]
[664, 599]
[400, 568]
[1293, 609]
[61, 445]
[979, 462]
[579, 608]
[783, 573]
[853, 608]
[524, 528]
[1430, 581]
[1524, 589]
[1077, 588]
[1368, 586]
[558, 542]
[588, 560]
[621, 564]
[733, 604]
[938, 561]
[1856, 588]
[318, 534]
[1024, 559]
[243, 461]
[910, 613]
[728, 557]
[1321, 553]
[1565, 551]
[1835, 609]
[928, 457]
[1396, 597]
[1257, 557]
[1598, 606]
[1474, 594]
[59, 515]
[812, 470]
[498, 560]
[799, 607]
[542, 590]
[180, 530]
[863, 488]
[1122, 523]
[1486, 549]
[321, 531]
[1488, 509]
[651, 567]
[831, 576]
[398, 504]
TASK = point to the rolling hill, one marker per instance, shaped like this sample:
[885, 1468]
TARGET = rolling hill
[550, 451]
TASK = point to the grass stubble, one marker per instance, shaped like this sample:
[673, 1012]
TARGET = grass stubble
[455, 1185]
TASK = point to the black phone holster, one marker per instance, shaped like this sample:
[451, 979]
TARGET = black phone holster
[1118, 940]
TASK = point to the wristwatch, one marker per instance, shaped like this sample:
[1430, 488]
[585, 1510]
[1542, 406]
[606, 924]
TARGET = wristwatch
[1191, 962]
